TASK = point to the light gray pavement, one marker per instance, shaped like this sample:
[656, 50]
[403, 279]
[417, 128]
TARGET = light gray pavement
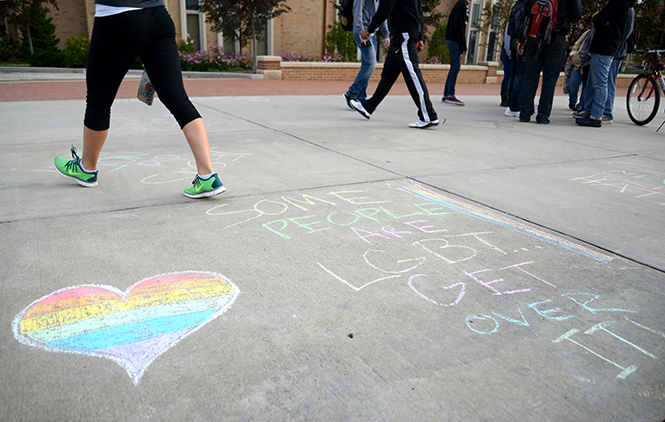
[488, 270]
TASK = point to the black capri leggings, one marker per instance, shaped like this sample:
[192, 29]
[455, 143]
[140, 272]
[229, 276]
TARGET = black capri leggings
[116, 41]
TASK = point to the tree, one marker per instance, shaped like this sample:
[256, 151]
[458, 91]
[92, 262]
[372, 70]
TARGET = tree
[25, 13]
[495, 15]
[650, 20]
[242, 20]
[431, 16]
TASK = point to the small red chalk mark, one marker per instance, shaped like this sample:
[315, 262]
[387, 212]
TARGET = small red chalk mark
[351, 335]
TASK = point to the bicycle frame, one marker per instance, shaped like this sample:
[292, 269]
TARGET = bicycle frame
[646, 89]
[656, 67]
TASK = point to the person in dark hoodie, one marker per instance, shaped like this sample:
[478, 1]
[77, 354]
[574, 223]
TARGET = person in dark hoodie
[406, 20]
[456, 43]
[610, 24]
[548, 59]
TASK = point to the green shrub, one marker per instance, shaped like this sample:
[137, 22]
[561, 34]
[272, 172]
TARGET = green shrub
[9, 49]
[341, 42]
[437, 50]
[47, 58]
[76, 51]
[186, 46]
[43, 38]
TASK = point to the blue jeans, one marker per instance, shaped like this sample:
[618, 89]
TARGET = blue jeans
[612, 87]
[507, 71]
[598, 75]
[518, 82]
[575, 83]
[455, 65]
[550, 61]
[367, 65]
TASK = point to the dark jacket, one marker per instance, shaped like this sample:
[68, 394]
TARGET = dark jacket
[610, 24]
[630, 24]
[405, 16]
[457, 22]
[131, 3]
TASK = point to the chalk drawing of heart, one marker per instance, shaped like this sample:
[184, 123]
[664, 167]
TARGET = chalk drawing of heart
[132, 328]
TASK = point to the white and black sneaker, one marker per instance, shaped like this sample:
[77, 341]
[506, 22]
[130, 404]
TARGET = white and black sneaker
[421, 124]
[511, 113]
[358, 106]
[348, 101]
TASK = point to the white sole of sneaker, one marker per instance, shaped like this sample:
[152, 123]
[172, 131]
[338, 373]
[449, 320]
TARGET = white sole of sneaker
[207, 194]
[430, 124]
[79, 181]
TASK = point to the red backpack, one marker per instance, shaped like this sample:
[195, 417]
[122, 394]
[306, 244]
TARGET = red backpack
[542, 20]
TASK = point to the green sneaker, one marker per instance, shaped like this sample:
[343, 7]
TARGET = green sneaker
[204, 188]
[71, 169]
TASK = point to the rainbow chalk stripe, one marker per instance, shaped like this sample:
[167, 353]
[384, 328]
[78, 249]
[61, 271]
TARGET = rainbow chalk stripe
[502, 221]
[132, 328]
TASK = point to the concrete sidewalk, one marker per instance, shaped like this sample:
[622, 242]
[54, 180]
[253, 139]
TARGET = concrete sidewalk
[483, 270]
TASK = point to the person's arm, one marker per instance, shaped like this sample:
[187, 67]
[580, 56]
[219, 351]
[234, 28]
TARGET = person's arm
[384, 30]
[575, 12]
[358, 6]
[382, 13]
[608, 13]
[460, 27]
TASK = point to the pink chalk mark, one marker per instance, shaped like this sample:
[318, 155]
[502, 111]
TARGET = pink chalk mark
[459, 297]
[518, 266]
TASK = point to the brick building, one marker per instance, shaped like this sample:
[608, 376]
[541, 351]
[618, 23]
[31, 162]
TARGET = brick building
[302, 30]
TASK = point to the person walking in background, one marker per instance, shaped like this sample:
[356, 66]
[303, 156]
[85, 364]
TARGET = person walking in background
[514, 31]
[547, 58]
[610, 25]
[406, 20]
[456, 42]
[506, 59]
[363, 11]
[121, 33]
[575, 101]
[608, 112]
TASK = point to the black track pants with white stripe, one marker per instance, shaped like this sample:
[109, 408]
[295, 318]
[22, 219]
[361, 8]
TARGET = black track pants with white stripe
[402, 58]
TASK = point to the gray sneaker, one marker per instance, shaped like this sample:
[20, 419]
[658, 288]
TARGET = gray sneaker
[607, 120]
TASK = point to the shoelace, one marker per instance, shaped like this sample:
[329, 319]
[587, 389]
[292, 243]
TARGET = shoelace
[196, 180]
[75, 161]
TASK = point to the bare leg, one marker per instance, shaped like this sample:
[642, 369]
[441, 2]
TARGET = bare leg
[93, 141]
[197, 137]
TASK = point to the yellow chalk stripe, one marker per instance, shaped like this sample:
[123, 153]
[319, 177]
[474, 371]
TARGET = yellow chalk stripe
[91, 299]
[54, 319]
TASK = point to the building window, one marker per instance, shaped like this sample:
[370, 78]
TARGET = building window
[195, 24]
[491, 47]
[472, 50]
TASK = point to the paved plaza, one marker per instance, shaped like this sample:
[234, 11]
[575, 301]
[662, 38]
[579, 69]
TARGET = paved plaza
[482, 270]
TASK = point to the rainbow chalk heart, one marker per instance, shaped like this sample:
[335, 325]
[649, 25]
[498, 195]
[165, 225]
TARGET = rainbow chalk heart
[133, 327]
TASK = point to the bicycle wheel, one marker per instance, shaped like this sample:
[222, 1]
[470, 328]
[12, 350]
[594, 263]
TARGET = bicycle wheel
[642, 100]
